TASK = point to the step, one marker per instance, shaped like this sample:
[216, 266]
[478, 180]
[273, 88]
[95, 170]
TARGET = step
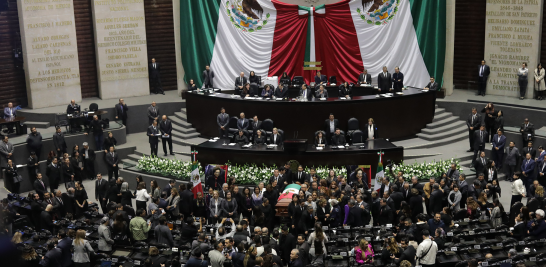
[139, 153]
[188, 142]
[441, 135]
[439, 111]
[37, 124]
[182, 130]
[185, 135]
[442, 116]
[183, 110]
[420, 153]
[134, 157]
[437, 143]
[443, 122]
[129, 162]
[179, 122]
[447, 127]
[181, 115]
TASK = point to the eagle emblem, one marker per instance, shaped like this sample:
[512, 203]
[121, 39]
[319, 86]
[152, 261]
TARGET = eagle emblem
[246, 15]
[378, 12]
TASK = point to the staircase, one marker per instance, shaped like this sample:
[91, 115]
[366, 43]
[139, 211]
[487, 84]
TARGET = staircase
[446, 137]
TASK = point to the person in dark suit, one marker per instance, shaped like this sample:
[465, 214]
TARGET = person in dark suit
[39, 186]
[320, 80]
[480, 138]
[186, 196]
[275, 138]
[72, 109]
[432, 85]
[527, 170]
[483, 75]
[155, 77]
[354, 218]
[121, 111]
[408, 254]
[101, 192]
[321, 92]
[295, 260]
[34, 142]
[208, 77]
[53, 173]
[473, 122]
[301, 176]
[330, 126]
[338, 139]
[223, 123]
[320, 139]
[345, 90]
[398, 80]
[166, 127]
[153, 113]
[88, 157]
[281, 91]
[529, 149]
[53, 256]
[499, 141]
[512, 157]
[527, 131]
[480, 163]
[58, 204]
[46, 219]
[242, 122]
[255, 125]
[59, 142]
[65, 244]
[384, 81]
[397, 197]
[240, 138]
[32, 165]
[192, 86]
[307, 221]
[520, 228]
[153, 135]
[305, 93]
[259, 138]
[112, 161]
[240, 82]
[385, 215]
[365, 78]
[287, 242]
[435, 201]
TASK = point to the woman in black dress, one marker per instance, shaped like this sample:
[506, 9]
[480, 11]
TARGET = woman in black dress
[75, 148]
[109, 141]
[499, 121]
[285, 79]
[320, 139]
[13, 177]
[77, 164]
[80, 195]
[254, 82]
[259, 139]
[247, 91]
[489, 120]
[68, 172]
[192, 86]
[247, 203]
[126, 195]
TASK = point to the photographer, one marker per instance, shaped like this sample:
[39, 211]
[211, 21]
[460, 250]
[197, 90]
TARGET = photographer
[221, 230]
[201, 243]
[537, 227]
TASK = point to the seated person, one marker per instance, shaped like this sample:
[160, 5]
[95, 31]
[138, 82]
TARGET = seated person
[247, 91]
[285, 79]
[320, 80]
[73, 107]
[305, 92]
[9, 114]
[432, 85]
[338, 139]
[276, 138]
[254, 82]
[192, 86]
[259, 138]
[320, 139]
[322, 93]
[267, 92]
[240, 138]
[365, 78]
[345, 90]
[281, 91]
[240, 81]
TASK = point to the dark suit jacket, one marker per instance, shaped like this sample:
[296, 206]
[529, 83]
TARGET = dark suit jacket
[112, 160]
[243, 140]
[520, 231]
[58, 207]
[240, 82]
[384, 83]
[479, 165]
[153, 112]
[526, 131]
[432, 86]
[323, 95]
[46, 221]
[435, 201]
[327, 126]
[254, 128]
[53, 258]
[382, 189]
[71, 110]
[58, 141]
[154, 72]
[166, 127]
[90, 152]
[53, 172]
[320, 79]
[476, 123]
[222, 120]
[528, 168]
[375, 132]
[308, 93]
[283, 94]
[398, 85]
[408, 254]
[397, 197]
[186, 197]
[296, 215]
[102, 190]
[338, 140]
[69, 204]
[40, 190]
[531, 151]
[152, 138]
[121, 114]
[498, 144]
[242, 124]
[345, 91]
[385, 215]
[278, 142]
[479, 141]
[287, 243]
[368, 78]
[208, 78]
[65, 245]
[486, 71]
[304, 177]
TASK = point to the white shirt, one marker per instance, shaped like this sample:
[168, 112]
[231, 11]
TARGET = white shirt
[365, 76]
[430, 257]
[86, 154]
[370, 131]
[518, 188]
[274, 138]
[491, 174]
[481, 71]
[142, 195]
[332, 129]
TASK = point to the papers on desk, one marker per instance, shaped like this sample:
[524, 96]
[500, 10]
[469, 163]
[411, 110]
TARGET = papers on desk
[272, 145]
[235, 96]
[322, 98]
[386, 95]
[247, 146]
[216, 138]
[212, 140]
[19, 166]
[340, 146]
[278, 99]
[425, 90]
[232, 144]
[342, 98]
[399, 93]
[332, 84]
[320, 148]
[251, 97]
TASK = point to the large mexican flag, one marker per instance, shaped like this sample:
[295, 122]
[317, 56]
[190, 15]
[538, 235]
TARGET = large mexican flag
[271, 37]
[289, 191]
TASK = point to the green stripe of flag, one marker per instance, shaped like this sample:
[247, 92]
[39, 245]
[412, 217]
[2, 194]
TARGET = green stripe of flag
[295, 186]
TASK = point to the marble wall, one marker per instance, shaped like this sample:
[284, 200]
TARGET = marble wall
[512, 37]
[120, 41]
[50, 52]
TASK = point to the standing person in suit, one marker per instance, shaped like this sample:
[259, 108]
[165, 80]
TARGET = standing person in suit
[96, 127]
[301, 176]
[499, 141]
[53, 173]
[153, 135]
[527, 170]
[6, 151]
[305, 93]
[275, 138]
[32, 164]
[59, 142]
[9, 114]
[480, 163]
[384, 81]
[58, 204]
[155, 77]
[542, 171]
[39, 186]
[112, 161]
[34, 142]
[239, 83]
[223, 123]
[523, 80]
[529, 149]
[489, 119]
[208, 77]
[365, 78]
[371, 129]
[166, 127]
[255, 125]
[432, 85]
[527, 131]
[88, 158]
[473, 122]
[398, 80]
[153, 113]
[480, 138]
[121, 111]
[330, 126]
[281, 91]
[101, 192]
[483, 75]
[242, 122]
[512, 154]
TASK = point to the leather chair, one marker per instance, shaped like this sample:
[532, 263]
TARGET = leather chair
[333, 79]
[298, 81]
[233, 125]
[267, 126]
[352, 125]
[357, 137]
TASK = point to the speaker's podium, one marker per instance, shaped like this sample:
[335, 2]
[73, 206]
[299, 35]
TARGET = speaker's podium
[295, 145]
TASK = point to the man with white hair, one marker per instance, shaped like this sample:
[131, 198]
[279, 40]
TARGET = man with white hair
[88, 156]
[384, 81]
[46, 219]
[538, 227]
[224, 191]
[295, 260]
[95, 126]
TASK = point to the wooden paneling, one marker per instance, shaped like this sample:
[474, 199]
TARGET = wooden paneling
[160, 39]
[86, 48]
[12, 75]
[469, 42]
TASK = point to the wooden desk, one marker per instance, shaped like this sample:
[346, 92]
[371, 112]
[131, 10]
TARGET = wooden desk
[17, 121]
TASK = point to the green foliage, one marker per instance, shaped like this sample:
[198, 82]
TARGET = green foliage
[423, 171]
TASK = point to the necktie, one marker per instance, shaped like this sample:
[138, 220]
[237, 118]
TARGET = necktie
[481, 136]
[121, 106]
[483, 161]
[60, 200]
[42, 184]
[299, 175]
[481, 71]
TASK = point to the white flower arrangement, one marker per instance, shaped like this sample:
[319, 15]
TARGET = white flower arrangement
[423, 171]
